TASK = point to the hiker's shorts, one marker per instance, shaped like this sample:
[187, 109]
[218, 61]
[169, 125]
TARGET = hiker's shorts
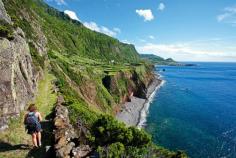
[34, 129]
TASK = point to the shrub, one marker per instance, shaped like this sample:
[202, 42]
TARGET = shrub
[140, 137]
[107, 130]
[115, 150]
[6, 30]
[37, 59]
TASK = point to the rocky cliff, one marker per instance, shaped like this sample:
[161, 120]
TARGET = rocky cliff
[68, 141]
[18, 80]
[30, 42]
[3, 14]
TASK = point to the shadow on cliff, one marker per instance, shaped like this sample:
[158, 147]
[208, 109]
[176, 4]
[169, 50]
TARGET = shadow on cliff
[46, 150]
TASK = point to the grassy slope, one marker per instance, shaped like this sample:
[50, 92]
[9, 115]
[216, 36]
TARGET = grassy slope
[75, 51]
[79, 59]
[66, 36]
[14, 141]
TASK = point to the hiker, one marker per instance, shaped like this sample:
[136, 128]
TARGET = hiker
[32, 124]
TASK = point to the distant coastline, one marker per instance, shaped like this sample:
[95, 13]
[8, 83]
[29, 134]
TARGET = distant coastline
[157, 60]
[134, 112]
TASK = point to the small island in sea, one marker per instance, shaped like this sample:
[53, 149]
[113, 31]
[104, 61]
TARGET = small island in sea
[157, 60]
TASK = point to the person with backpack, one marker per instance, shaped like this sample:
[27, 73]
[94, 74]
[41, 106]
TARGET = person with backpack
[32, 124]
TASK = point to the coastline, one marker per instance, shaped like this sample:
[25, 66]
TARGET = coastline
[134, 113]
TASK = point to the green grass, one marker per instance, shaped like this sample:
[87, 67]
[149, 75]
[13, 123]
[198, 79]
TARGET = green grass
[68, 37]
[46, 98]
[15, 140]
[6, 30]
[13, 136]
[85, 72]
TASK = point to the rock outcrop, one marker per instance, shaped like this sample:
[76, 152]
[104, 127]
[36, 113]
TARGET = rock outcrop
[18, 80]
[67, 141]
[3, 14]
[135, 85]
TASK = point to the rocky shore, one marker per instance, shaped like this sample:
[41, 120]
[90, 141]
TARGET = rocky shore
[132, 112]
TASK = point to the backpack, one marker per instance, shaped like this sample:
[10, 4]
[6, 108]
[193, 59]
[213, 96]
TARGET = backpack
[31, 121]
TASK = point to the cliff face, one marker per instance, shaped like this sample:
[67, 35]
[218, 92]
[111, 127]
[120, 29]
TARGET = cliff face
[3, 14]
[37, 36]
[80, 59]
[18, 78]
[123, 85]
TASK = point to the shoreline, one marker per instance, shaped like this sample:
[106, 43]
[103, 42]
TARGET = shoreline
[144, 111]
[134, 113]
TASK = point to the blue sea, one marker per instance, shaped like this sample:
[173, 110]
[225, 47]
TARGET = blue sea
[195, 110]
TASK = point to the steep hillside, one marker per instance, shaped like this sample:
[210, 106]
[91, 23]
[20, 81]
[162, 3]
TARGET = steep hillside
[18, 77]
[64, 35]
[78, 56]
[93, 72]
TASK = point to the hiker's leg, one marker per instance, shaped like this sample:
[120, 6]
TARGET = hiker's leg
[34, 139]
[39, 138]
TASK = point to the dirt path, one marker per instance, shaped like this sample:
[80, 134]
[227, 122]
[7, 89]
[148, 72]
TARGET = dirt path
[14, 142]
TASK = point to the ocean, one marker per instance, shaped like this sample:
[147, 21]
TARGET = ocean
[195, 110]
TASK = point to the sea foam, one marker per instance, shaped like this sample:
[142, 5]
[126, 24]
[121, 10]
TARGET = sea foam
[145, 109]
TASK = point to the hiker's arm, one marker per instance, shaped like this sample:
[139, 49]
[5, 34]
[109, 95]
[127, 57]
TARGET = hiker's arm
[40, 117]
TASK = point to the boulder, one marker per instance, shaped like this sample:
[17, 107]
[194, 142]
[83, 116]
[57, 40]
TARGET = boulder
[81, 151]
[66, 138]
[3, 14]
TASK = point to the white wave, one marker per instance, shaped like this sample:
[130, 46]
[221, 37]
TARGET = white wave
[160, 76]
[144, 112]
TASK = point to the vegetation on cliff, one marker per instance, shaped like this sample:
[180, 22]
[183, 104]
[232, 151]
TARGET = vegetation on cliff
[114, 139]
[95, 73]
[6, 30]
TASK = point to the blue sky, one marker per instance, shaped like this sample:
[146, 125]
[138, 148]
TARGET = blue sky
[186, 30]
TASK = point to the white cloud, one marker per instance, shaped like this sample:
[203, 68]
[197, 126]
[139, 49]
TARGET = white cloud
[92, 26]
[117, 30]
[95, 27]
[151, 37]
[161, 6]
[146, 13]
[142, 40]
[222, 17]
[108, 32]
[228, 16]
[59, 2]
[126, 41]
[71, 14]
[192, 51]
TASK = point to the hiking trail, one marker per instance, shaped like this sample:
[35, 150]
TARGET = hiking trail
[15, 142]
